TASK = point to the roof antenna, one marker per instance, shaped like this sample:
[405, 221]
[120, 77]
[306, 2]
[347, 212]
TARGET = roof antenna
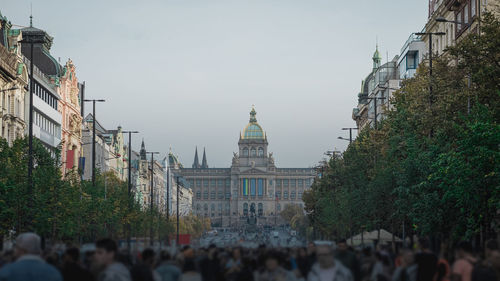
[31, 15]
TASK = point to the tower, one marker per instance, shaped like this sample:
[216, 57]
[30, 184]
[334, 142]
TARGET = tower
[143, 151]
[253, 143]
[204, 164]
[376, 59]
[196, 162]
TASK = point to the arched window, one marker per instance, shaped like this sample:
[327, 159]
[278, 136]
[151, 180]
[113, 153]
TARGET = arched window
[245, 151]
[253, 152]
[261, 152]
[261, 209]
[245, 209]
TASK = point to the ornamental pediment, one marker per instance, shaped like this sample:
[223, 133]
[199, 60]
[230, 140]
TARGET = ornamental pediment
[253, 171]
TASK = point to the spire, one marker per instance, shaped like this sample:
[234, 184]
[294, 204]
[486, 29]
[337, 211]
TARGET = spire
[143, 151]
[204, 164]
[376, 58]
[31, 16]
[196, 163]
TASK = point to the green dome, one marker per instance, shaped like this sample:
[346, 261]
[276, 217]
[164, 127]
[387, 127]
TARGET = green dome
[253, 130]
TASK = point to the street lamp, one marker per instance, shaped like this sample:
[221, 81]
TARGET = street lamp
[129, 178]
[151, 196]
[178, 185]
[430, 34]
[31, 36]
[350, 134]
[93, 135]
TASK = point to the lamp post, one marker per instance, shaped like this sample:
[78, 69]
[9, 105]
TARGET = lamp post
[350, 134]
[151, 194]
[129, 181]
[93, 135]
[32, 37]
[177, 236]
[430, 34]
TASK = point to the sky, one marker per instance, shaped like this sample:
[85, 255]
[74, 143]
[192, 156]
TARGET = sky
[186, 73]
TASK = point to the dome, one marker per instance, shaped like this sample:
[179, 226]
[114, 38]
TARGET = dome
[253, 130]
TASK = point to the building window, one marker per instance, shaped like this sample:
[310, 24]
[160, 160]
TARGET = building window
[212, 194]
[260, 209]
[198, 194]
[253, 152]
[220, 207]
[220, 182]
[412, 60]
[245, 151]
[472, 9]
[228, 183]
[245, 209]
[466, 14]
[300, 183]
[205, 207]
[278, 207]
[212, 207]
[278, 194]
[220, 194]
[212, 183]
[285, 194]
[278, 183]
[300, 195]
[261, 152]
[285, 183]
[252, 187]
[228, 195]
[260, 187]
[198, 207]
[205, 194]
[292, 195]
[293, 183]
[205, 183]
[198, 183]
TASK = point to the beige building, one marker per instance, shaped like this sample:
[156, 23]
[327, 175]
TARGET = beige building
[253, 187]
[462, 17]
[13, 83]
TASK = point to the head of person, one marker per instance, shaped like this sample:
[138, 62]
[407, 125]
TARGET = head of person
[27, 243]
[324, 255]
[106, 252]
[491, 247]
[148, 256]
[165, 256]
[342, 245]
[236, 253]
[311, 248]
[71, 255]
[272, 260]
[407, 258]
[424, 244]
[463, 249]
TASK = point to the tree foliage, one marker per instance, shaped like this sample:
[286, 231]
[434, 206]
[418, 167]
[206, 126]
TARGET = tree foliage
[433, 164]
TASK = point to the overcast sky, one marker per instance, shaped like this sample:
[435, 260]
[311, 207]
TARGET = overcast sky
[186, 73]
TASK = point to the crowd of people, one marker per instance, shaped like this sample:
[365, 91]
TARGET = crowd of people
[320, 261]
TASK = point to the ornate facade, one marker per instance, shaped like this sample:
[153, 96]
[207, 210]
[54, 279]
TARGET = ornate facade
[13, 83]
[252, 187]
[69, 106]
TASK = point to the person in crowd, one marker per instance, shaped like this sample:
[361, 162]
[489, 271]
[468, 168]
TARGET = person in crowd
[367, 262]
[169, 270]
[273, 271]
[426, 261]
[105, 259]
[407, 270]
[143, 270]
[303, 262]
[464, 263]
[489, 268]
[189, 272]
[210, 265]
[382, 268]
[71, 269]
[327, 268]
[233, 265]
[29, 266]
[348, 259]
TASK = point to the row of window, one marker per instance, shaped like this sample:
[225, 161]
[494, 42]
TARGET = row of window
[254, 152]
[292, 195]
[210, 182]
[213, 194]
[14, 109]
[45, 95]
[46, 124]
[293, 182]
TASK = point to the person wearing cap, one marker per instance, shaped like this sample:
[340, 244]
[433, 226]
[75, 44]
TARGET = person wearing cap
[29, 266]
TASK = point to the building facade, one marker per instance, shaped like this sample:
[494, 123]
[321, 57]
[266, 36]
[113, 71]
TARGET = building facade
[252, 187]
[376, 91]
[13, 83]
[463, 17]
[70, 108]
